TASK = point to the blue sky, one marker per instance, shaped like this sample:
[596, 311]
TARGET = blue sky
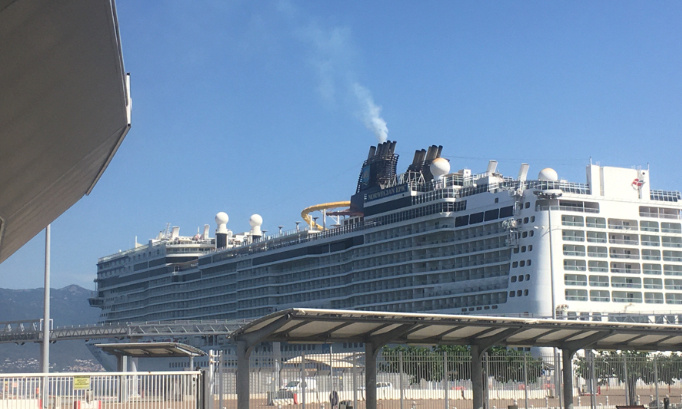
[262, 107]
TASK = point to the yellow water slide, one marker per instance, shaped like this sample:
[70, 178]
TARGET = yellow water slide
[305, 214]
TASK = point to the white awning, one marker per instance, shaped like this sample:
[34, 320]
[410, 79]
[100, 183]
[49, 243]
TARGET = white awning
[64, 108]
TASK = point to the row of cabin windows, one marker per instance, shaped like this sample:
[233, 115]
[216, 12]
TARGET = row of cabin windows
[577, 250]
[619, 238]
[520, 278]
[620, 267]
[620, 224]
[622, 296]
[623, 282]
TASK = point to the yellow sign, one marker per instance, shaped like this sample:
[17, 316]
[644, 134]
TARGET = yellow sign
[81, 383]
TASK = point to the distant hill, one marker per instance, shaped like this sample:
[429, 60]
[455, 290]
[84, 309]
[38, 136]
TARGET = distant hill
[68, 306]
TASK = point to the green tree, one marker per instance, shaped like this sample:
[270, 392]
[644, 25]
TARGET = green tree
[629, 367]
[418, 362]
[427, 363]
[509, 365]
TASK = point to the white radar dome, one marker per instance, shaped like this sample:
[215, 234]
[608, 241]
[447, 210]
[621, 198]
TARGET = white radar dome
[221, 220]
[548, 175]
[255, 220]
[439, 167]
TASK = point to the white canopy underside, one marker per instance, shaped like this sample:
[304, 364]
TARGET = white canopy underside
[64, 108]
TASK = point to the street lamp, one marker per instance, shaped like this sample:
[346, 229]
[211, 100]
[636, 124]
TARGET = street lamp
[549, 195]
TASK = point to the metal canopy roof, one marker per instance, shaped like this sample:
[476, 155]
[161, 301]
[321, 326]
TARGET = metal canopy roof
[316, 326]
[64, 108]
[151, 349]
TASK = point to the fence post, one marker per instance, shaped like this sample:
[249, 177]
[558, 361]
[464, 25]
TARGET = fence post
[355, 385]
[45, 390]
[445, 377]
[656, 378]
[627, 386]
[201, 389]
[303, 380]
[400, 380]
[486, 382]
[209, 387]
[221, 375]
[593, 381]
[525, 378]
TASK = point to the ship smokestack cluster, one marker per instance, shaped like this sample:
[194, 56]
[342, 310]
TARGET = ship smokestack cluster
[421, 163]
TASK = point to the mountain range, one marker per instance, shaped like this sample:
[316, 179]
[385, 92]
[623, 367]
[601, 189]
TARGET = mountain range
[68, 306]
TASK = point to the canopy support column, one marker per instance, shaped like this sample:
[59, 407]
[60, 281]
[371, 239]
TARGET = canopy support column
[567, 372]
[477, 376]
[371, 351]
[243, 354]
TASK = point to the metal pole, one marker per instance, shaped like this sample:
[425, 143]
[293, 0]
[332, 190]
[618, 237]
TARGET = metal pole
[656, 378]
[304, 385]
[370, 376]
[46, 319]
[355, 386]
[557, 374]
[221, 357]
[243, 368]
[477, 377]
[525, 379]
[557, 377]
[400, 380]
[486, 386]
[567, 371]
[627, 387]
[445, 377]
[593, 382]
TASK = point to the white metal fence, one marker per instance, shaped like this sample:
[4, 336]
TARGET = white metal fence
[102, 390]
[407, 378]
[429, 378]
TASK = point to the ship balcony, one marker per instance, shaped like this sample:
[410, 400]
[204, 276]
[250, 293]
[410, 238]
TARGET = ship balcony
[96, 301]
[625, 268]
[632, 254]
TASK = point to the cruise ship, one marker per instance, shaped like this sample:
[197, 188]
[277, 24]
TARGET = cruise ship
[426, 240]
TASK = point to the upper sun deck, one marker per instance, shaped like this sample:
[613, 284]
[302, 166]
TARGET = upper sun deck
[171, 245]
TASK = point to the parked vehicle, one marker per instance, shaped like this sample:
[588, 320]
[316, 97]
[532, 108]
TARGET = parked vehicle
[297, 385]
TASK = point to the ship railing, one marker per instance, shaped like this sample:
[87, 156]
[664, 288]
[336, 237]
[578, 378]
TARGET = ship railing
[271, 242]
[665, 195]
[568, 209]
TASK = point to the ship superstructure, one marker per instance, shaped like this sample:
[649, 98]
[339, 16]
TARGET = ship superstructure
[426, 240]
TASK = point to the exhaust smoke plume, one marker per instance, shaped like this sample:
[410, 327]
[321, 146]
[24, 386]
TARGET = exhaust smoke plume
[371, 113]
[332, 56]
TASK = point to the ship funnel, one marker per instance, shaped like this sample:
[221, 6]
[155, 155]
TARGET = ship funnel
[372, 151]
[221, 220]
[205, 235]
[523, 172]
[175, 233]
[492, 167]
[431, 154]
